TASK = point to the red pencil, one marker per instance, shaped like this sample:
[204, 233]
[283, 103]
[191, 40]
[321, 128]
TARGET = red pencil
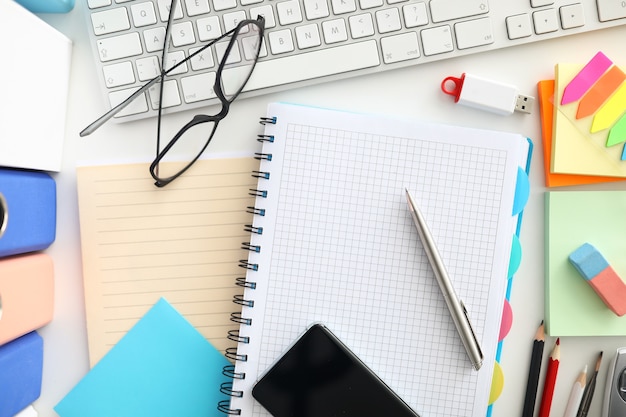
[548, 387]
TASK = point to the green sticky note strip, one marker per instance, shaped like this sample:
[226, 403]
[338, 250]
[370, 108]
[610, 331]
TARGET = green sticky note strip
[572, 307]
[617, 134]
[162, 367]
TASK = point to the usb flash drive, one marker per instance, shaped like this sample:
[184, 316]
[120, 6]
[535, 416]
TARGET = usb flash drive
[488, 95]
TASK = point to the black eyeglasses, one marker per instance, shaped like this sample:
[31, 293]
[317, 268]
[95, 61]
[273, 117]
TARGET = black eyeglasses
[236, 64]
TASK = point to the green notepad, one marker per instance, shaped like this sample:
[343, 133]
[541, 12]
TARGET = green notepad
[162, 367]
[573, 218]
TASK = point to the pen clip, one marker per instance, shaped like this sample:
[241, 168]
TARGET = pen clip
[471, 328]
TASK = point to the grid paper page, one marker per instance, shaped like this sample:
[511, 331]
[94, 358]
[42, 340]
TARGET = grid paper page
[339, 247]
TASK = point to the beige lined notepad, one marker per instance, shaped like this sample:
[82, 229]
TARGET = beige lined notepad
[181, 242]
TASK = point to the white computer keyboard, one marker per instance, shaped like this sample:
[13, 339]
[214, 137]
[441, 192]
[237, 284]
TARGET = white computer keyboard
[312, 41]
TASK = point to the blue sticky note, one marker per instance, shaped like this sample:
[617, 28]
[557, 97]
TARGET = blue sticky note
[162, 367]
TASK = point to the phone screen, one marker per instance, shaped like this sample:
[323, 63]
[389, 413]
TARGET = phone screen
[320, 377]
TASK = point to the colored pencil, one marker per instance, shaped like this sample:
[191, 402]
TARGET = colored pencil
[576, 395]
[551, 373]
[585, 402]
[533, 372]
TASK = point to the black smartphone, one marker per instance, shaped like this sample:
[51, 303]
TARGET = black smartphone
[320, 377]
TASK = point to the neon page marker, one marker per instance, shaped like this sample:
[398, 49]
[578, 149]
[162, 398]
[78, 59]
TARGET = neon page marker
[617, 134]
[586, 78]
[610, 111]
[600, 92]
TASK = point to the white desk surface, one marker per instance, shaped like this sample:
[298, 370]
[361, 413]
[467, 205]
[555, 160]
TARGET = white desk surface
[410, 92]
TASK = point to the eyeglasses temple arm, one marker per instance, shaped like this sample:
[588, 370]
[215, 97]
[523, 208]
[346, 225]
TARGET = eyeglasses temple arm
[115, 110]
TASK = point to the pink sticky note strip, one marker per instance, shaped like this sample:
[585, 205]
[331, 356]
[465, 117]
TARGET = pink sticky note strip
[586, 78]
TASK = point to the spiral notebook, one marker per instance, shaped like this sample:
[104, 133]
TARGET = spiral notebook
[332, 241]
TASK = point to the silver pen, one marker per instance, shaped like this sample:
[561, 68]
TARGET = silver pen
[455, 305]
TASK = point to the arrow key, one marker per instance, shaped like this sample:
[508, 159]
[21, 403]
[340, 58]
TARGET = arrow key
[572, 16]
[519, 26]
[545, 21]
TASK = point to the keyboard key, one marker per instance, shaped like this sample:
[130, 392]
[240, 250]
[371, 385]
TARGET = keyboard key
[148, 68]
[164, 10]
[138, 105]
[388, 20]
[173, 58]
[117, 47]
[519, 26]
[335, 31]
[400, 47]
[316, 9]
[281, 41]
[473, 33]
[289, 12]
[182, 34]
[541, 3]
[545, 21]
[267, 12]
[94, 4]
[119, 74]
[110, 21]
[415, 15]
[370, 4]
[143, 14]
[198, 87]
[443, 10]
[270, 73]
[572, 16]
[224, 4]
[202, 61]
[343, 6]
[308, 36]
[437, 40]
[197, 7]
[232, 19]
[171, 97]
[361, 25]
[209, 28]
[154, 39]
[611, 10]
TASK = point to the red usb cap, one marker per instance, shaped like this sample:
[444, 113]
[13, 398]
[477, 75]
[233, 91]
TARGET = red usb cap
[456, 83]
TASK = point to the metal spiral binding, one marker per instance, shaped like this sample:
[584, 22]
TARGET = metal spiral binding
[238, 317]
[251, 247]
[224, 406]
[231, 353]
[238, 299]
[268, 120]
[261, 174]
[256, 211]
[250, 228]
[229, 371]
[243, 282]
[258, 193]
[236, 337]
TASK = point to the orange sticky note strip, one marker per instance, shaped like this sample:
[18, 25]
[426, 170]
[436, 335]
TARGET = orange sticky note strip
[600, 92]
[545, 94]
